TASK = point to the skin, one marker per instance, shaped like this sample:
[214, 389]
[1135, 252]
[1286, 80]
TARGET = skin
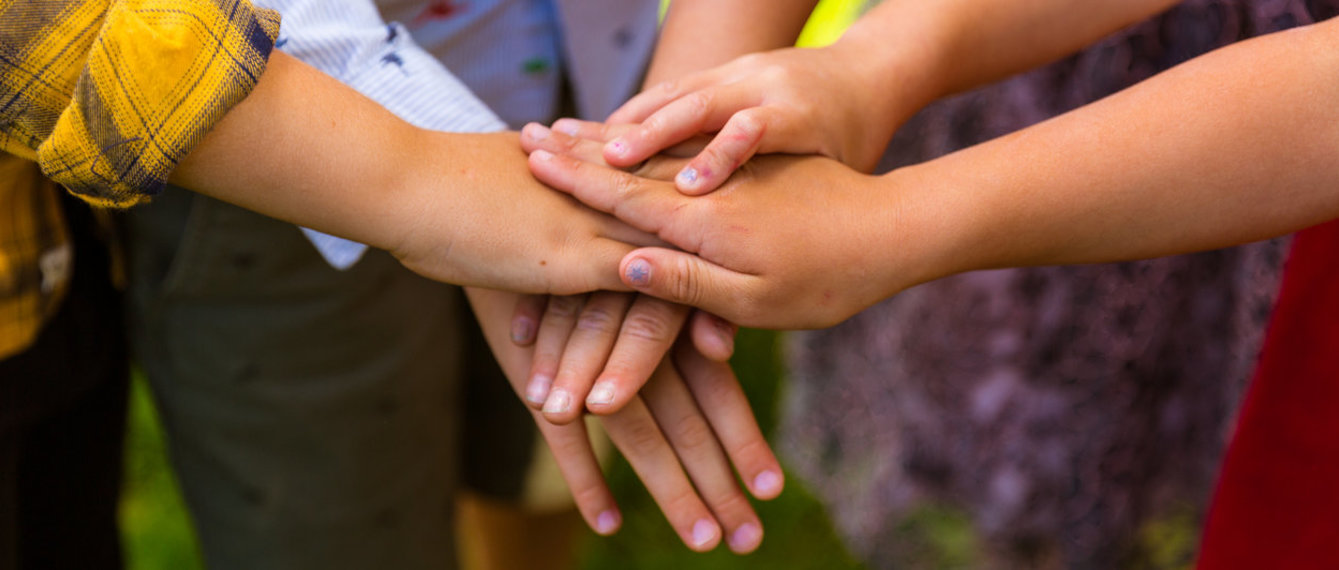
[472, 215]
[845, 101]
[669, 434]
[600, 349]
[475, 216]
[1251, 156]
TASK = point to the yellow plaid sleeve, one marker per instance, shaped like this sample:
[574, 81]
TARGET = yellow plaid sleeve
[108, 96]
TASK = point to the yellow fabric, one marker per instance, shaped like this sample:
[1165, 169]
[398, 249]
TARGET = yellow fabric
[107, 96]
[31, 229]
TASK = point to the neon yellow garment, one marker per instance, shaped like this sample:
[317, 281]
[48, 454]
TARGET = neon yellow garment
[107, 97]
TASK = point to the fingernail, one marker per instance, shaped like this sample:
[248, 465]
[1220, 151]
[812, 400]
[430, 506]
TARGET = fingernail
[687, 176]
[703, 532]
[639, 273]
[559, 401]
[566, 126]
[536, 131]
[606, 523]
[726, 335]
[767, 483]
[521, 330]
[746, 537]
[618, 147]
[603, 393]
[543, 155]
[538, 389]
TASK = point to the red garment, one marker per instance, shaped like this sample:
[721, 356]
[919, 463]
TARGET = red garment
[1277, 502]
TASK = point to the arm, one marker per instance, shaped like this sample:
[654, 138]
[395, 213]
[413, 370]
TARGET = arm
[701, 34]
[1231, 147]
[455, 207]
[845, 100]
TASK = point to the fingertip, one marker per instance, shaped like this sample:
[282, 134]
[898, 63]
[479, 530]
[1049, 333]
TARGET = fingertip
[602, 398]
[568, 126]
[767, 485]
[532, 134]
[558, 406]
[608, 522]
[636, 272]
[705, 535]
[745, 538]
[537, 390]
[523, 331]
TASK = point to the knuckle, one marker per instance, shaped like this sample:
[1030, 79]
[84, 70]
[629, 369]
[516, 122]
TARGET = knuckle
[686, 284]
[729, 499]
[642, 439]
[598, 318]
[564, 307]
[692, 433]
[652, 326]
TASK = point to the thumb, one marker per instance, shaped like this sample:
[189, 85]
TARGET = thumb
[690, 280]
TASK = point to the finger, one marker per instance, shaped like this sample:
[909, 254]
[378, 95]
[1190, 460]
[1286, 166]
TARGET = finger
[650, 100]
[572, 451]
[690, 280]
[702, 457]
[642, 203]
[717, 392]
[737, 142]
[639, 438]
[535, 136]
[525, 318]
[702, 111]
[713, 336]
[554, 329]
[584, 354]
[590, 130]
[646, 335]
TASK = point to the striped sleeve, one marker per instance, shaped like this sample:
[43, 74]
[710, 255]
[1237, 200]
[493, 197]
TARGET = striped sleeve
[108, 96]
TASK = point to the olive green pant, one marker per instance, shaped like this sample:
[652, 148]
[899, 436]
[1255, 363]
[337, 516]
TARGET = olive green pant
[316, 418]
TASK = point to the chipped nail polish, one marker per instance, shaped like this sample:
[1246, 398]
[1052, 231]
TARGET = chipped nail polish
[619, 147]
[559, 401]
[687, 176]
[639, 273]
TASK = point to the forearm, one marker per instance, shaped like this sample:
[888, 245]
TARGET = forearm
[460, 208]
[700, 34]
[1232, 147]
[336, 162]
[917, 52]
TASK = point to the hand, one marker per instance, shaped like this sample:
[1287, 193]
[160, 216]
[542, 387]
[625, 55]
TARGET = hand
[794, 100]
[601, 348]
[774, 251]
[491, 224]
[671, 428]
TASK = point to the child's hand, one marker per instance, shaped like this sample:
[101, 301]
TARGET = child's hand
[682, 435]
[795, 100]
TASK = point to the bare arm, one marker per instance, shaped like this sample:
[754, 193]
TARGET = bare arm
[1233, 146]
[456, 207]
[699, 34]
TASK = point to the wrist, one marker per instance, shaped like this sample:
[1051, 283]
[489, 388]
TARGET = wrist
[901, 69]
